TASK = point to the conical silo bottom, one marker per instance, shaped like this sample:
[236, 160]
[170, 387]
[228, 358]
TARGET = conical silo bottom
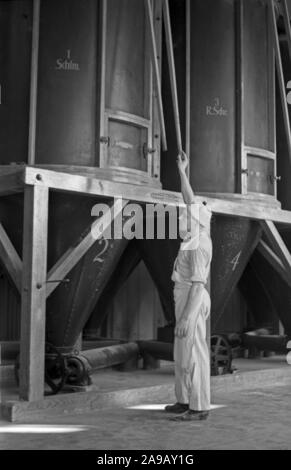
[234, 240]
[278, 291]
[70, 305]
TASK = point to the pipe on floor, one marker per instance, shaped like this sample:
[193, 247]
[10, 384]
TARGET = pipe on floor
[110, 356]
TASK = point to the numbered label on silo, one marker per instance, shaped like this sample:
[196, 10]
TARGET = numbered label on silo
[67, 63]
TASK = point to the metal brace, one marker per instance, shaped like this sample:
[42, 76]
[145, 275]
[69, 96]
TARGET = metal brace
[105, 140]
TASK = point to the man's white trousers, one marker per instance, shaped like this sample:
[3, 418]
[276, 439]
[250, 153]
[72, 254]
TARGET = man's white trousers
[191, 354]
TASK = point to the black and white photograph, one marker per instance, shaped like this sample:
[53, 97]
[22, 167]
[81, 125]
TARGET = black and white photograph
[145, 230]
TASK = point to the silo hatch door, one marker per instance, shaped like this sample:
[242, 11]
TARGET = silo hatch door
[127, 139]
[126, 114]
[261, 175]
[259, 171]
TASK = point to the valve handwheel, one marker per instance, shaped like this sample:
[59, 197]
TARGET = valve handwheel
[221, 355]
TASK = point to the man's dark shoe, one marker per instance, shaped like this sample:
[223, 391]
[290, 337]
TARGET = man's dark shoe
[192, 415]
[177, 408]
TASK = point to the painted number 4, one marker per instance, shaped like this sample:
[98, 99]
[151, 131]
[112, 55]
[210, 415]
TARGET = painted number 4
[235, 261]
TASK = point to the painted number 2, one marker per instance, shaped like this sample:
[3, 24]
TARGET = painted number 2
[235, 261]
[98, 257]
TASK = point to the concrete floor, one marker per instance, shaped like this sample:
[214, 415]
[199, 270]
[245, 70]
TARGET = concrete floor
[258, 418]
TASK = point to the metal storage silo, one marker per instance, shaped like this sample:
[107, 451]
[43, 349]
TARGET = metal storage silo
[276, 286]
[95, 115]
[226, 84]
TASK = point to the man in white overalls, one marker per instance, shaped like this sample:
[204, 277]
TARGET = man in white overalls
[192, 307]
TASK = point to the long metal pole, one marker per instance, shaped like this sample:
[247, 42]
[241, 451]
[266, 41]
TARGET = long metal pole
[33, 83]
[153, 48]
[188, 84]
[287, 25]
[172, 71]
[280, 74]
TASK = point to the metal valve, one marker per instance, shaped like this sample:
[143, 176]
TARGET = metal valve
[274, 178]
